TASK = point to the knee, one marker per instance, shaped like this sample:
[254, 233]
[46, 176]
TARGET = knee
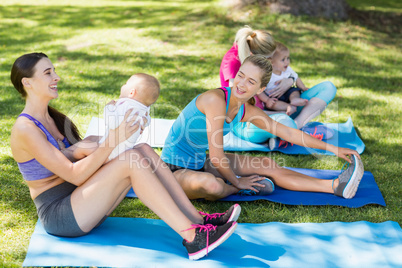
[133, 158]
[144, 148]
[210, 185]
[329, 86]
[268, 164]
[328, 91]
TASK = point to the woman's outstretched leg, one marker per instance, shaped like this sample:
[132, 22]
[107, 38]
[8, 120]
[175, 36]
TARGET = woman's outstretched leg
[98, 196]
[244, 165]
[178, 194]
[169, 181]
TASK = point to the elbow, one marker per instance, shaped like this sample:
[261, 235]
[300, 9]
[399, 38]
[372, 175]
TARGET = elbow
[214, 162]
[218, 162]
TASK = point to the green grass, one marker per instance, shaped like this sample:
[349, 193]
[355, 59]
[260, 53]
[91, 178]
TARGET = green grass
[97, 45]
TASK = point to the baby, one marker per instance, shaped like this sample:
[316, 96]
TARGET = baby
[139, 93]
[280, 70]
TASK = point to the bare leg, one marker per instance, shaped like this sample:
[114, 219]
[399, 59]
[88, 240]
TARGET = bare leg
[280, 106]
[248, 165]
[295, 99]
[291, 109]
[314, 108]
[169, 181]
[205, 185]
[100, 194]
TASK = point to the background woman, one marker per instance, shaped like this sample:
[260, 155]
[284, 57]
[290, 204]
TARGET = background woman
[249, 41]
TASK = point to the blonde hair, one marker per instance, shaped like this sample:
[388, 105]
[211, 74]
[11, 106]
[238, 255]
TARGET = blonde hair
[255, 42]
[147, 88]
[148, 85]
[264, 64]
[280, 48]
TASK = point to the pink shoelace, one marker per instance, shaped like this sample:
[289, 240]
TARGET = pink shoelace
[211, 216]
[203, 228]
[315, 135]
[285, 143]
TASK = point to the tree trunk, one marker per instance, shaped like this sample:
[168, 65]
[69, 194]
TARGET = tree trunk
[330, 9]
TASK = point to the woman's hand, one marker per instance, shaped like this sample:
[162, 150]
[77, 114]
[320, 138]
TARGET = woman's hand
[250, 182]
[282, 86]
[345, 152]
[126, 128]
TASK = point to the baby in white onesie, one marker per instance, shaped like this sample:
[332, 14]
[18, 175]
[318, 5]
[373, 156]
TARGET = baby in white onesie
[290, 99]
[139, 93]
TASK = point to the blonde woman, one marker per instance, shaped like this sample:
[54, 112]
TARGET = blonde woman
[249, 41]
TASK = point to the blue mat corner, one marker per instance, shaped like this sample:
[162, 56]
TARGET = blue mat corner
[128, 242]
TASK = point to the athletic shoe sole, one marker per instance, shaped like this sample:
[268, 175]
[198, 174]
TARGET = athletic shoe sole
[235, 213]
[203, 252]
[353, 183]
[273, 143]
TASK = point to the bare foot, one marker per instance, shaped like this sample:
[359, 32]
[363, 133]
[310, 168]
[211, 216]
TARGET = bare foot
[298, 102]
[291, 109]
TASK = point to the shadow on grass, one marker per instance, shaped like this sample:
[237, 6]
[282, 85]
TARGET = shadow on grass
[15, 194]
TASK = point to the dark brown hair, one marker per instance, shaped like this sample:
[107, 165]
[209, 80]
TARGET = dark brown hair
[24, 66]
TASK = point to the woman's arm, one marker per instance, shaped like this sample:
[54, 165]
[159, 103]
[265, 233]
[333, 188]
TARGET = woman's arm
[32, 140]
[82, 148]
[261, 120]
[213, 105]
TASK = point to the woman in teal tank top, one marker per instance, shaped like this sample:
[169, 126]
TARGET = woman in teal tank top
[205, 121]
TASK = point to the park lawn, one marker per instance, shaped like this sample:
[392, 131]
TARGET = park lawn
[96, 45]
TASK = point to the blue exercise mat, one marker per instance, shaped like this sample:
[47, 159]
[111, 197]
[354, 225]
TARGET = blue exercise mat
[130, 242]
[155, 135]
[368, 192]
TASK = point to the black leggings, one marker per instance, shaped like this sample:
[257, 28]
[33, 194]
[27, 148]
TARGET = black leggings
[55, 211]
[174, 168]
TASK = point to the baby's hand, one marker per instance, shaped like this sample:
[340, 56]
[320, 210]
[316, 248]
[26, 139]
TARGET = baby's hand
[112, 102]
[270, 102]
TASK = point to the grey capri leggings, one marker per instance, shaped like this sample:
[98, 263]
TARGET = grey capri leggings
[55, 211]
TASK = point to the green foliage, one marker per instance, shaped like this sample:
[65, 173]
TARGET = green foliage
[97, 45]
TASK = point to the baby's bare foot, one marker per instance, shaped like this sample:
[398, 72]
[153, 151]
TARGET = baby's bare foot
[291, 109]
[298, 102]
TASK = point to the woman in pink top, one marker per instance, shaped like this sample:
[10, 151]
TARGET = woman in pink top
[249, 41]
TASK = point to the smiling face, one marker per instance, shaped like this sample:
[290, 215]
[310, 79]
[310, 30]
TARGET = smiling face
[44, 81]
[247, 82]
[280, 61]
